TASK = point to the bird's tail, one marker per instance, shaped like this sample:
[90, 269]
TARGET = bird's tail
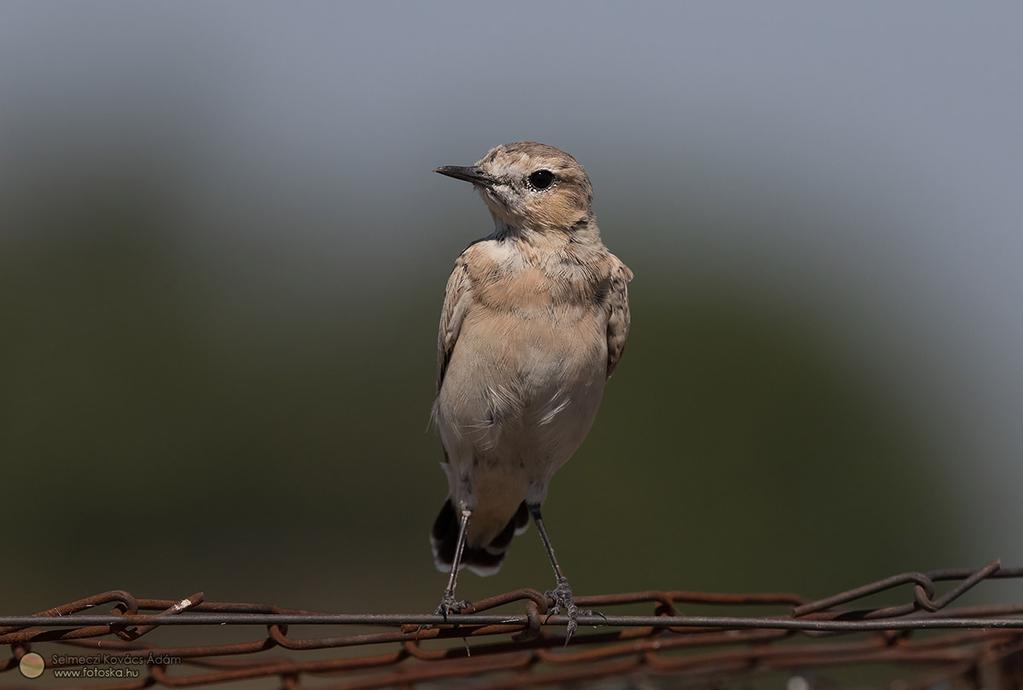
[482, 560]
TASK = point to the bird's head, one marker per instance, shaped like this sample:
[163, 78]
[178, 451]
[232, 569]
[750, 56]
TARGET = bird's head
[530, 186]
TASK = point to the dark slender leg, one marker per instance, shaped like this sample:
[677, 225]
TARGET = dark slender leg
[562, 593]
[448, 603]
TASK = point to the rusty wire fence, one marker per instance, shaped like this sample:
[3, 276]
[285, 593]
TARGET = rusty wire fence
[901, 629]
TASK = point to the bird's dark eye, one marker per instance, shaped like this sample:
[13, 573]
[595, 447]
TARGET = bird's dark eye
[541, 179]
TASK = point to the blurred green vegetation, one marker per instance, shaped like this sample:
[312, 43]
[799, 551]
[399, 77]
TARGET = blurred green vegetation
[170, 422]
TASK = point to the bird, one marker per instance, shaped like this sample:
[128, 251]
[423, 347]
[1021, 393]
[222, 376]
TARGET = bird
[534, 322]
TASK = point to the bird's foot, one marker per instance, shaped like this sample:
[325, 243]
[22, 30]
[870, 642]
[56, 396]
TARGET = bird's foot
[449, 605]
[561, 598]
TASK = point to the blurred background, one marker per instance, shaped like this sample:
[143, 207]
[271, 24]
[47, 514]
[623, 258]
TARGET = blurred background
[223, 255]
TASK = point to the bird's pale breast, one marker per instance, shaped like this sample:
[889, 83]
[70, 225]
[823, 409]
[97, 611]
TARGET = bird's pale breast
[523, 383]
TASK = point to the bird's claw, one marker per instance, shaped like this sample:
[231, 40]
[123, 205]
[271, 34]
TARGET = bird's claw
[449, 605]
[561, 598]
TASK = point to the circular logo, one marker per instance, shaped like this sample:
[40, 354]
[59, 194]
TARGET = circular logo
[31, 665]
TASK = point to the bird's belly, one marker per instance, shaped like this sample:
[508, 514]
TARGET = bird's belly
[519, 397]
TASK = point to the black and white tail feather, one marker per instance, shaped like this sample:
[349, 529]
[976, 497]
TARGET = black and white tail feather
[483, 560]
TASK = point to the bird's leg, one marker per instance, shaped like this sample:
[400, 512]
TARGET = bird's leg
[561, 595]
[448, 603]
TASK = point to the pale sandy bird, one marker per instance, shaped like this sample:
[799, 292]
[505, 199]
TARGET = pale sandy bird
[534, 321]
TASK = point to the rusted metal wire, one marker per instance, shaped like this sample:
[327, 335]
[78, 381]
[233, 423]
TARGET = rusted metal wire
[918, 640]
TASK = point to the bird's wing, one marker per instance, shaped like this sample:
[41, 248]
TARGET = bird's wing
[618, 314]
[457, 297]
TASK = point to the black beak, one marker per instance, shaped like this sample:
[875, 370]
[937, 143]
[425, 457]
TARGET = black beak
[469, 174]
